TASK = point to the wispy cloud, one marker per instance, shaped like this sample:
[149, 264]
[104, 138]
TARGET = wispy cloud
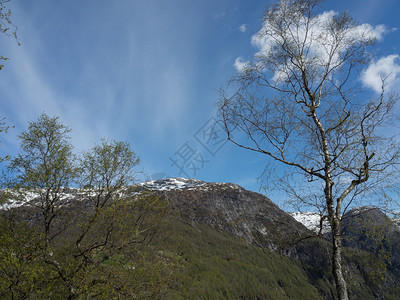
[123, 83]
[242, 28]
[33, 93]
[220, 15]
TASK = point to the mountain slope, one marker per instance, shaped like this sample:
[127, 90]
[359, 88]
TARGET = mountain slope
[217, 265]
[220, 241]
[229, 208]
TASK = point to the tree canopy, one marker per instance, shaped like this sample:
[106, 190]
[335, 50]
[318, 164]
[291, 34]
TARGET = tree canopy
[54, 247]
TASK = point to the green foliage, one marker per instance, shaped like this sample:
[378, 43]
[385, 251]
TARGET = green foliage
[114, 259]
[215, 265]
[365, 277]
[45, 166]
[371, 230]
[108, 166]
[92, 248]
[21, 273]
[46, 160]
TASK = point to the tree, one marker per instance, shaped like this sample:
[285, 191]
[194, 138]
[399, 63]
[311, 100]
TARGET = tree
[44, 169]
[54, 247]
[109, 226]
[6, 25]
[297, 103]
[108, 167]
[4, 127]
[45, 166]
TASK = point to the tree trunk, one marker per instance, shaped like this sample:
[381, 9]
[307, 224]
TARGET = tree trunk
[341, 286]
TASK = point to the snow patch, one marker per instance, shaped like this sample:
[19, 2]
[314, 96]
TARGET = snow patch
[397, 222]
[311, 221]
[172, 184]
[18, 198]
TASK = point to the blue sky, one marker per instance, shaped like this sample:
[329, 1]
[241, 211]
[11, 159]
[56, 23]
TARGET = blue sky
[148, 72]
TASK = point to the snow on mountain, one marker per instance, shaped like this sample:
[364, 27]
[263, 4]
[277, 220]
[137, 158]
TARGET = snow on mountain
[22, 197]
[310, 220]
[397, 222]
[16, 199]
[171, 184]
[179, 183]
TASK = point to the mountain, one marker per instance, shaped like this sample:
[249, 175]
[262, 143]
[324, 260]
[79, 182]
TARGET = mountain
[227, 207]
[369, 229]
[230, 208]
[222, 241]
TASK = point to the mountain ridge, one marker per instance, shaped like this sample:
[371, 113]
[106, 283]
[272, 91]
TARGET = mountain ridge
[307, 218]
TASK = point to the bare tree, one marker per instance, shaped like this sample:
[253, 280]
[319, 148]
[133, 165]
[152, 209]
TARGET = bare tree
[298, 103]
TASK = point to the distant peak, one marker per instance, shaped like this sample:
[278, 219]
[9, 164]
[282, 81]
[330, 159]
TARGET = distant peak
[172, 184]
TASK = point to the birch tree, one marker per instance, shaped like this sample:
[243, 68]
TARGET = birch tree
[45, 166]
[75, 243]
[299, 103]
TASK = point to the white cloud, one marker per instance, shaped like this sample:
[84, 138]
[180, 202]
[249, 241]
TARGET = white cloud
[317, 40]
[387, 68]
[242, 28]
[239, 64]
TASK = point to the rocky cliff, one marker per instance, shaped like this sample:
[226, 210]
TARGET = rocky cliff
[230, 208]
